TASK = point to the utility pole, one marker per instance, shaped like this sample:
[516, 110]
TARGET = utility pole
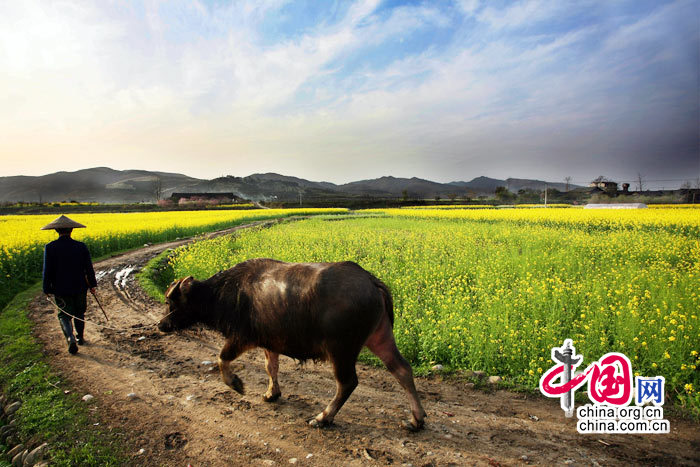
[545, 195]
[640, 182]
[299, 198]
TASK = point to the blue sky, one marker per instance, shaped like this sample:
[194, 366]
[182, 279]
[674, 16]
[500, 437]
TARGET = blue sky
[342, 91]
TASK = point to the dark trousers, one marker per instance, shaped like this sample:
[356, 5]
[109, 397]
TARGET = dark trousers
[75, 305]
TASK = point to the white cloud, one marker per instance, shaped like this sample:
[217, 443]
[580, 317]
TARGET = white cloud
[468, 7]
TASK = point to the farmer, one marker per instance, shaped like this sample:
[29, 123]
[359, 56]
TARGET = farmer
[68, 274]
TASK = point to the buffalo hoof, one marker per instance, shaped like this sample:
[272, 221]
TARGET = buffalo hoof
[271, 398]
[236, 384]
[413, 428]
[320, 423]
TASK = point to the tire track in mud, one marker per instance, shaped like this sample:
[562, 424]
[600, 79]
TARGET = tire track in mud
[165, 393]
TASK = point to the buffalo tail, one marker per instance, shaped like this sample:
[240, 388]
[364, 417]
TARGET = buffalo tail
[388, 301]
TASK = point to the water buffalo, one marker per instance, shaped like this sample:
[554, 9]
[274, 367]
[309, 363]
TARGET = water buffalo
[319, 311]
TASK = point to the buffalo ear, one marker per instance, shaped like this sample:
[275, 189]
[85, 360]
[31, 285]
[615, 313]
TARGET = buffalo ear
[173, 289]
[186, 284]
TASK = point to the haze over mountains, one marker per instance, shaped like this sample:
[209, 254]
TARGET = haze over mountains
[105, 185]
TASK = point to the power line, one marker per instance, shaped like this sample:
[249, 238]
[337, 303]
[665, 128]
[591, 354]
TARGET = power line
[646, 180]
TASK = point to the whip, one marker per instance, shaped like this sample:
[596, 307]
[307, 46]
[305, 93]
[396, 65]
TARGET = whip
[99, 304]
[92, 291]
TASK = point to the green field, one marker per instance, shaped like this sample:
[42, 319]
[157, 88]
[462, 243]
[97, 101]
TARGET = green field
[497, 295]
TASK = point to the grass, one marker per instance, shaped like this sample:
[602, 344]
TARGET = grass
[47, 414]
[155, 277]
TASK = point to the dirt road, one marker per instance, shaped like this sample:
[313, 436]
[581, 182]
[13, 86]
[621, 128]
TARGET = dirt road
[164, 391]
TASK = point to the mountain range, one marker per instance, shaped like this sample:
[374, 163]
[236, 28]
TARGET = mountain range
[105, 185]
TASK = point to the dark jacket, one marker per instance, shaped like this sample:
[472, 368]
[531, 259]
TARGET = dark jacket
[67, 267]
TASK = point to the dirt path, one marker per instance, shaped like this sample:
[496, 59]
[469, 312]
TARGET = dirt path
[182, 413]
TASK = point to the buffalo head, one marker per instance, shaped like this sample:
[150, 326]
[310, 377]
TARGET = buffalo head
[181, 314]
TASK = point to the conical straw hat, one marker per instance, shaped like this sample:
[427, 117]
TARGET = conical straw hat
[62, 222]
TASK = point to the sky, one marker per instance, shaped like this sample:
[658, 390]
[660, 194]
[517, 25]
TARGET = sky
[341, 91]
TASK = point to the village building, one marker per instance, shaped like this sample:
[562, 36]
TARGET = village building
[176, 197]
[605, 185]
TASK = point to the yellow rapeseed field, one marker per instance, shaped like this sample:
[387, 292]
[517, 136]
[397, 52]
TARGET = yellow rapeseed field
[21, 250]
[495, 290]
[682, 221]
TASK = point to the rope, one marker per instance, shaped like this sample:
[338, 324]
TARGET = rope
[200, 340]
[55, 305]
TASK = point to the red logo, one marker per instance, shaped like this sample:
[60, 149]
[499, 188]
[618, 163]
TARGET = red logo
[609, 379]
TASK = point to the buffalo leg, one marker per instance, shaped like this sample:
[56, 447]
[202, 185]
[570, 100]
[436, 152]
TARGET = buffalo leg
[383, 345]
[272, 365]
[230, 352]
[346, 381]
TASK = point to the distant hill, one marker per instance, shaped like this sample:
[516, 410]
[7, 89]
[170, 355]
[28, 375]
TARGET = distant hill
[99, 184]
[481, 184]
[268, 187]
[105, 185]
[485, 184]
[395, 187]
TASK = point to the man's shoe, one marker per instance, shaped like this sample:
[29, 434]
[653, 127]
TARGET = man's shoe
[72, 347]
[81, 341]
